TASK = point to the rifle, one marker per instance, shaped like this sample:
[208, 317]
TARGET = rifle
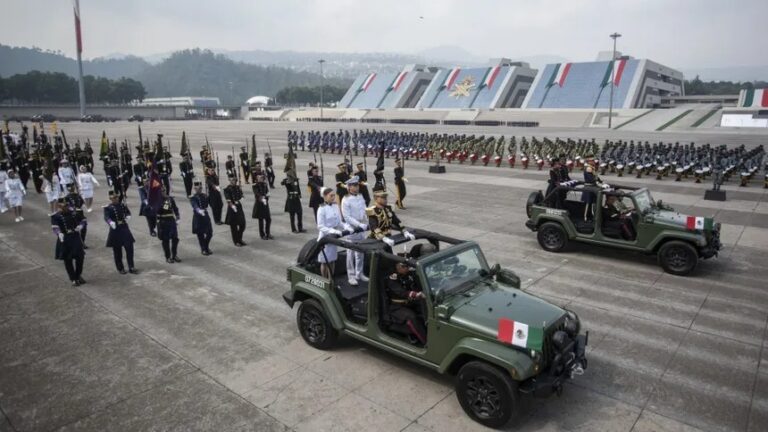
[218, 167]
[235, 165]
[322, 170]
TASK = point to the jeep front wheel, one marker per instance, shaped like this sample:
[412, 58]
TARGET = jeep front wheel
[552, 237]
[487, 394]
[314, 325]
[678, 257]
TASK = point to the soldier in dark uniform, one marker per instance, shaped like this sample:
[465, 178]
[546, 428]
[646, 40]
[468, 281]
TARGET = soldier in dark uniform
[145, 209]
[75, 203]
[315, 185]
[362, 177]
[400, 181]
[187, 171]
[245, 164]
[341, 182]
[69, 245]
[214, 194]
[115, 177]
[381, 218]
[167, 230]
[268, 167]
[555, 178]
[407, 302]
[201, 220]
[261, 206]
[235, 217]
[293, 202]
[36, 167]
[164, 169]
[117, 215]
[139, 172]
[229, 166]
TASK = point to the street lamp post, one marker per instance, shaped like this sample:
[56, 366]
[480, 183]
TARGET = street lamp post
[614, 36]
[322, 84]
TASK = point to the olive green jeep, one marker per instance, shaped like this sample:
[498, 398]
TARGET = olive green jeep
[498, 340]
[621, 217]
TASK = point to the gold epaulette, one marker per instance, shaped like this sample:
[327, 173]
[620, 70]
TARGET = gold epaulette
[370, 211]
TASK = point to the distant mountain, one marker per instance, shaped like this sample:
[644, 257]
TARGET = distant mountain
[17, 60]
[729, 73]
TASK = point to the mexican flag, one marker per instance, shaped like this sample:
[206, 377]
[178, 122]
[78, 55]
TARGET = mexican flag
[757, 98]
[397, 81]
[519, 334]
[367, 83]
[451, 77]
[620, 65]
[698, 223]
[619, 71]
[559, 75]
[490, 76]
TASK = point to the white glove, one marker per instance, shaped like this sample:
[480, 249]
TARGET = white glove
[61, 237]
[234, 208]
[201, 212]
[127, 218]
[408, 235]
[364, 227]
[146, 202]
[405, 180]
[79, 228]
[264, 201]
[388, 241]
[112, 225]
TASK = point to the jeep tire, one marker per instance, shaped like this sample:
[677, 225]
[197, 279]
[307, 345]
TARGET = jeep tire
[314, 325]
[678, 257]
[487, 394]
[552, 237]
[534, 199]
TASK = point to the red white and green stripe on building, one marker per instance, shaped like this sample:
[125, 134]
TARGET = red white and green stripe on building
[754, 98]
[559, 75]
[367, 82]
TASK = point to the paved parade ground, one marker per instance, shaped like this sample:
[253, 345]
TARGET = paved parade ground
[209, 344]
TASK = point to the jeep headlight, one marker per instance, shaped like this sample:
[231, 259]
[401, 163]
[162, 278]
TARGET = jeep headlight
[536, 356]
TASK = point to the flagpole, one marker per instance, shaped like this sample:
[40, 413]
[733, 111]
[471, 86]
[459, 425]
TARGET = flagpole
[614, 36]
[79, 38]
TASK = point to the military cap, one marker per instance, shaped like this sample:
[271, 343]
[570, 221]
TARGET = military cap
[380, 194]
[197, 183]
[353, 180]
[113, 194]
[341, 165]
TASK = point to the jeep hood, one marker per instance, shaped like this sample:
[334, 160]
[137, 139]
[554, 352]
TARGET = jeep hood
[679, 220]
[489, 308]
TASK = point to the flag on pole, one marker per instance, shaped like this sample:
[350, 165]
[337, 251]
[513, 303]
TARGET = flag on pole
[619, 71]
[490, 76]
[367, 83]
[78, 32]
[451, 77]
[104, 149]
[607, 75]
[398, 80]
[519, 334]
[559, 74]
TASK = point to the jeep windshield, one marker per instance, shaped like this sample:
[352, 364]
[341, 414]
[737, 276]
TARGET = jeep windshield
[643, 201]
[454, 273]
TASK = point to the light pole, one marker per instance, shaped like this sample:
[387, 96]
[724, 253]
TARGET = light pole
[322, 84]
[614, 36]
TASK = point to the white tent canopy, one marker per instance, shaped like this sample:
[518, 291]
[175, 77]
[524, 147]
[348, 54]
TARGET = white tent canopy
[258, 100]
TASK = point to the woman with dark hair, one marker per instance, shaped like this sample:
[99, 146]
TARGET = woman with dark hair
[329, 223]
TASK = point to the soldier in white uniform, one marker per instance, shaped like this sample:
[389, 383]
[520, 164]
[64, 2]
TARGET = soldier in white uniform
[66, 175]
[353, 209]
[14, 193]
[3, 179]
[86, 182]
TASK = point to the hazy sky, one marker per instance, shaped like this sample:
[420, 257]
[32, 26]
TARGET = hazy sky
[679, 33]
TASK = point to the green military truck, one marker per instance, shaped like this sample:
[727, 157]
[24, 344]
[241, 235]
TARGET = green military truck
[496, 339]
[625, 218]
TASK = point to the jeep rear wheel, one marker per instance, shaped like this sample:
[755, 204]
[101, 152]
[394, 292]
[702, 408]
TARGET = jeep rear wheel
[534, 199]
[487, 394]
[678, 257]
[314, 325]
[552, 237]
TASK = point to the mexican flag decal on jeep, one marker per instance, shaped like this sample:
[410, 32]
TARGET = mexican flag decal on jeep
[519, 334]
[698, 223]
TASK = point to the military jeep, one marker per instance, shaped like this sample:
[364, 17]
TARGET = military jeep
[578, 212]
[498, 341]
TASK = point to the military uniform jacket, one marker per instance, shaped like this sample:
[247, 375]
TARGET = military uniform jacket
[139, 173]
[315, 185]
[75, 203]
[121, 235]
[381, 220]
[72, 246]
[185, 167]
[381, 184]
[402, 291]
[341, 187]
[230, 167]
[293, 196]
[244, 160]
[200, 222]
[167, 215]
[261, 206]
[233, 194]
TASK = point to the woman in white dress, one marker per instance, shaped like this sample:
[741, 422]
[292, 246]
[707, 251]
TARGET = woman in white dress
[3, 179]
[52, 189]
[329, 223]
[14, 193]
[86, 182]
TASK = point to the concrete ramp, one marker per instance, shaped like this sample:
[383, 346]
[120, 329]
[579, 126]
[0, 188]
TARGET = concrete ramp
[697, 116]
[654, 120]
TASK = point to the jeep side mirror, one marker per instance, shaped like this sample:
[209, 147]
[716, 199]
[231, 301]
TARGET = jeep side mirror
[495, 269]
[439, 296]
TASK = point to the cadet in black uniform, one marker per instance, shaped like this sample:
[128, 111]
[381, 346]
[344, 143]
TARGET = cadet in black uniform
[167, 231]
[145, 209]
[229, 166]
[400, 181]
[214, 194]
[201, 220]
[293, 202]
[116, 215]
[261, 206]
[75, 203]
[139, 171]
[187, 174]
[315, 185]
[362, 178]
[557, 174]
[269, 169]
[235, 217]
[341, 182]
[407, 302]
[245, 164]
[164, 169]
[69, 245]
